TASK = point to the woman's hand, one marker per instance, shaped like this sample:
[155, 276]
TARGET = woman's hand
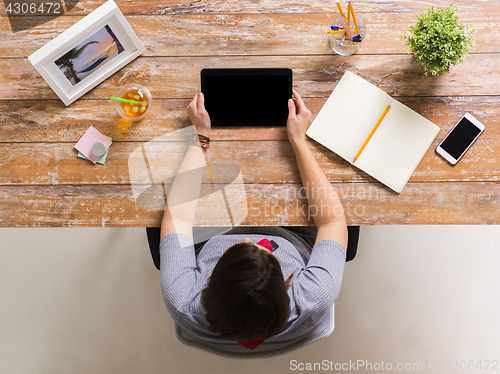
[199, 115]
[298, 119]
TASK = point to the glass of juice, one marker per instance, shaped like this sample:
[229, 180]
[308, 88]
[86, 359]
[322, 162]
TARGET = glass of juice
[134, 92]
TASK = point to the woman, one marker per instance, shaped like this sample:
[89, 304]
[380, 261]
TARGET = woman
[260, 288]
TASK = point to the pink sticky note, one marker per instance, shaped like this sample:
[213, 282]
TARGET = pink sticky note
[86, 142]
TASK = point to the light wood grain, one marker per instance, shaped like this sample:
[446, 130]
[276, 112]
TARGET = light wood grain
[179, 77]
[50, 121]
[43, 183]
[176, 7]
[252, 34]
[269, 204]
[57, 164]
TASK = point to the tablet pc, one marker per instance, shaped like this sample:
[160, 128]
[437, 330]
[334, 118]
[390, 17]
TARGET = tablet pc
[247, 97]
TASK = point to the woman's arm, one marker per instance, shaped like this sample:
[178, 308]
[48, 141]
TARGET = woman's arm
[182, 199]
[324, 203]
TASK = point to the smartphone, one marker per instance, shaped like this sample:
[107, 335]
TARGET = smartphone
[460, 138]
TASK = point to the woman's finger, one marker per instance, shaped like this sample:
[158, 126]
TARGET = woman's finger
[201, 102]
[298, 100]
[291, 109]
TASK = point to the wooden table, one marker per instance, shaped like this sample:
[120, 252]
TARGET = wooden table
[43, 183]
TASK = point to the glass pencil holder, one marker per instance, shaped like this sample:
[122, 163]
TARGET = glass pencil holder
[340, 43]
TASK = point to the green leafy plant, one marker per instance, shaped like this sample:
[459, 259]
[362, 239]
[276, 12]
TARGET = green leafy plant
[438, 40]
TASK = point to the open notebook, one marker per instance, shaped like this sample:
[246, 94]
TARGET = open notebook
[349, 116]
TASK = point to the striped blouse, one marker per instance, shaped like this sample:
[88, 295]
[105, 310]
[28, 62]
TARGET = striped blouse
[315, 283]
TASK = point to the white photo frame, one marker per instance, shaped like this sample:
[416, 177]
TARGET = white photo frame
[87, 53]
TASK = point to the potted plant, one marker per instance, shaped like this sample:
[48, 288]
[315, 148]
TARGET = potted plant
[438, 40]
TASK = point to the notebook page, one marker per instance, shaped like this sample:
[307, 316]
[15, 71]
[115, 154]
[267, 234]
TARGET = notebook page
[348, 116]
[397, 146]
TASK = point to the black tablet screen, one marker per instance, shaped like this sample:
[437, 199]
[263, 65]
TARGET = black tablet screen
[247, 97]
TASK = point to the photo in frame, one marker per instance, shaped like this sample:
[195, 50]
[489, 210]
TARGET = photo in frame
[87, 53]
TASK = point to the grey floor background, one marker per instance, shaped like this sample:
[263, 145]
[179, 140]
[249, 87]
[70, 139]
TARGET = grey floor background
[88, 301]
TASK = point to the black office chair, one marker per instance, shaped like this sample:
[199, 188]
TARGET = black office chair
[307, 233]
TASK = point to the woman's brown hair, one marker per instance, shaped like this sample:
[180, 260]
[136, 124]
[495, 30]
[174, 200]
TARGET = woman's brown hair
[246, 296]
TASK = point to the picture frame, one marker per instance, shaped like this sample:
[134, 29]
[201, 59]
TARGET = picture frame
[87, 53]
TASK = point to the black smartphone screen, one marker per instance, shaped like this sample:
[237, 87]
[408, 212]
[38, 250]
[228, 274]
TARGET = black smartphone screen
[459, 139]
[247, 97]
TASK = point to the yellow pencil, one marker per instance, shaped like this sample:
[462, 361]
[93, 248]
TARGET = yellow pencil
[350, 9]
[336, 31]
[340, 9]
[373, 131]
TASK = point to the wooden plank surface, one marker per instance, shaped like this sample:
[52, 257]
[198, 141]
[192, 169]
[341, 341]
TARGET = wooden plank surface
[315, 76]
[57, 164]
[251, 34]
[43, 183]
[180, 7]
[268, 204]
[50, 121]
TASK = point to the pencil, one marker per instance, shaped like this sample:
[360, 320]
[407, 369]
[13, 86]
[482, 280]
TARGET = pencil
[340, 9]
[347, 28]
[373, 131]
[351, 10]
[337, 32]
